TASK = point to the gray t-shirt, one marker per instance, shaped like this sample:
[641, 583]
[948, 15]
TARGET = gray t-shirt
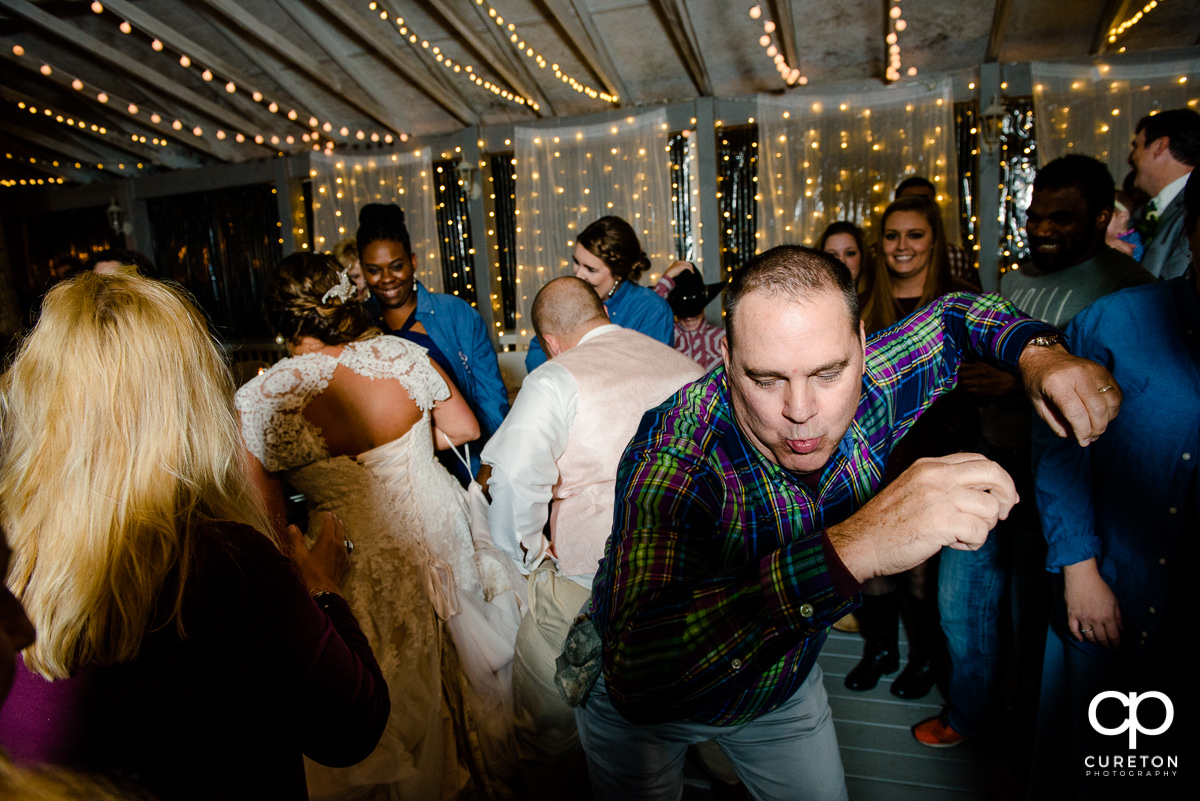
[1054, 297]
[1058, 296]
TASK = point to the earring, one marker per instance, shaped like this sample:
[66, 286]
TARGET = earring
[414, 285]
[279, 340]
[616, 284]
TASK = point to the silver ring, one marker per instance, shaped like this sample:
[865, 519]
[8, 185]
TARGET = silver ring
[349, 546]
[1106, 388]
[1085, 631]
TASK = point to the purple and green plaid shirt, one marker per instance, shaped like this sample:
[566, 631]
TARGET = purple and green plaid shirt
[718, 585]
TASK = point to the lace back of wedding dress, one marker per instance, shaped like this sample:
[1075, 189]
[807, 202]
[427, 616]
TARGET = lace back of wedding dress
[416, 576]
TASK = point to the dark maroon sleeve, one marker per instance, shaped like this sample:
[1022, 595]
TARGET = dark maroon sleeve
[340, 693]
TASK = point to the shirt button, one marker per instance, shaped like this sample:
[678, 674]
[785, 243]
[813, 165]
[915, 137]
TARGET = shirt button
[1153, 610]
[806, 610]
[736, 664]
[1187, 456]
[1172, 510]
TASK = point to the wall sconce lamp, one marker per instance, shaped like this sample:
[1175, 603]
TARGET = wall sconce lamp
[991, 126]
[114, 219]
[467, 175]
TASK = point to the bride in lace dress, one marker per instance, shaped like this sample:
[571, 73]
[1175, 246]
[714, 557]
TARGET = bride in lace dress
[351, 421]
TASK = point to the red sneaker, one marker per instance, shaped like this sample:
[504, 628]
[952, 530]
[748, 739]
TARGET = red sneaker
[936, 732]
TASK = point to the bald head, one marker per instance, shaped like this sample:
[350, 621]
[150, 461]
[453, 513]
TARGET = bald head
[564, 310]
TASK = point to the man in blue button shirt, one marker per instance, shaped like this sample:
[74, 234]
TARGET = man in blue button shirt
[1120, 520]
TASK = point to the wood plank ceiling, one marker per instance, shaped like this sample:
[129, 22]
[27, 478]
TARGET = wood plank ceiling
[92, 91]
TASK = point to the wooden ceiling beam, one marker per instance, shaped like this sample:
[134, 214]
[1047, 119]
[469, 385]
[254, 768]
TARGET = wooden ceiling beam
[678, 24]
[513, 69]
[384, 46]
[302, 61]
[77, 37]
[1000, 15]
[574, 18]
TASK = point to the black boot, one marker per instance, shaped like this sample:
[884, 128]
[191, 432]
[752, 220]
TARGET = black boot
[924, 644]
[879, 622]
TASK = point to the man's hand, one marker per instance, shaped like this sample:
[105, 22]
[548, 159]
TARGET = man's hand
[1076, 397]
[948, 501]
[678, 267]
[1092, 611]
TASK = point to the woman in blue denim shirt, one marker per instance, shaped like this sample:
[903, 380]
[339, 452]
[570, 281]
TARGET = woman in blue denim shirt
[609, 257]
[447, 326]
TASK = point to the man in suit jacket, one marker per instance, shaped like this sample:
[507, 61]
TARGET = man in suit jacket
[1163, 153]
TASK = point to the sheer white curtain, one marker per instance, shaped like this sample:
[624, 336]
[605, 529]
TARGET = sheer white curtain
[824, 158]
[570, 176]
[341, 185]
[1093, 110]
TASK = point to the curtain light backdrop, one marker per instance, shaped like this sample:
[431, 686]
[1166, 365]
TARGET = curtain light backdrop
[341, 185]
[570, 176]
[1093, 110]
[824, 158]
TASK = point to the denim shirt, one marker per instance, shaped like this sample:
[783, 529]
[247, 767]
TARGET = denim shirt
[1130, 498]
[631, 306]
[459, 332]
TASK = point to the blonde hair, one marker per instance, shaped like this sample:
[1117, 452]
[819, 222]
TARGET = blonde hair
[119, 443]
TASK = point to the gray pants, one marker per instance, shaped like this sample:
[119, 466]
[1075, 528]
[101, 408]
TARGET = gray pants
[790, 753]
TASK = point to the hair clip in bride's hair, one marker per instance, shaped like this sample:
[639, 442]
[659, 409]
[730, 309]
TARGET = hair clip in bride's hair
[343, 290]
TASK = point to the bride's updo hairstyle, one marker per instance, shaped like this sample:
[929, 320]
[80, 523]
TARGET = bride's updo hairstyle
[613, 241]
[120, 446]
[384, 221]
[308, 297]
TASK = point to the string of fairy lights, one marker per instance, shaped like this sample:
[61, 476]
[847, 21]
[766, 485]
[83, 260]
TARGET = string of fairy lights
[311, 138]
[456, 67]
[896, 25]
[524, 48]
[791, 75]
[71, 122]
[1119, 29]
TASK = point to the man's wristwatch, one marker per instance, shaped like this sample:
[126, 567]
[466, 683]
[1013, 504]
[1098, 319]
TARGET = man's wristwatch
[1048, 341]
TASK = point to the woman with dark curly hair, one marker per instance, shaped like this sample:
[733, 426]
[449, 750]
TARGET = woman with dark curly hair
[445, 325]
[609, 256]
[351, 420]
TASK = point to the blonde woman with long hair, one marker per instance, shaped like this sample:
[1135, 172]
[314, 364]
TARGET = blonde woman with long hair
[178, 649]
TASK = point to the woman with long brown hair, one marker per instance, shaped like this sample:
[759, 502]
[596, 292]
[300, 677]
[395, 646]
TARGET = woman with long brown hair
[910, 270]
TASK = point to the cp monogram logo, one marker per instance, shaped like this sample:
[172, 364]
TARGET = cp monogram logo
[1131, 723]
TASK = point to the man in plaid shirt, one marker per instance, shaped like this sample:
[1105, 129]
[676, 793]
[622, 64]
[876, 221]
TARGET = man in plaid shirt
[745, 520]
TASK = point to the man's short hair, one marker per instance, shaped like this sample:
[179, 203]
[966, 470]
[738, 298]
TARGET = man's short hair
[1089, 176]
[1181, 126]
[915, 182]
[795, 271]
[564, 304]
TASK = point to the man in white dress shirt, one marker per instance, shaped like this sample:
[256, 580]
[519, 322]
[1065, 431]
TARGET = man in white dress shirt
[555, 459]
